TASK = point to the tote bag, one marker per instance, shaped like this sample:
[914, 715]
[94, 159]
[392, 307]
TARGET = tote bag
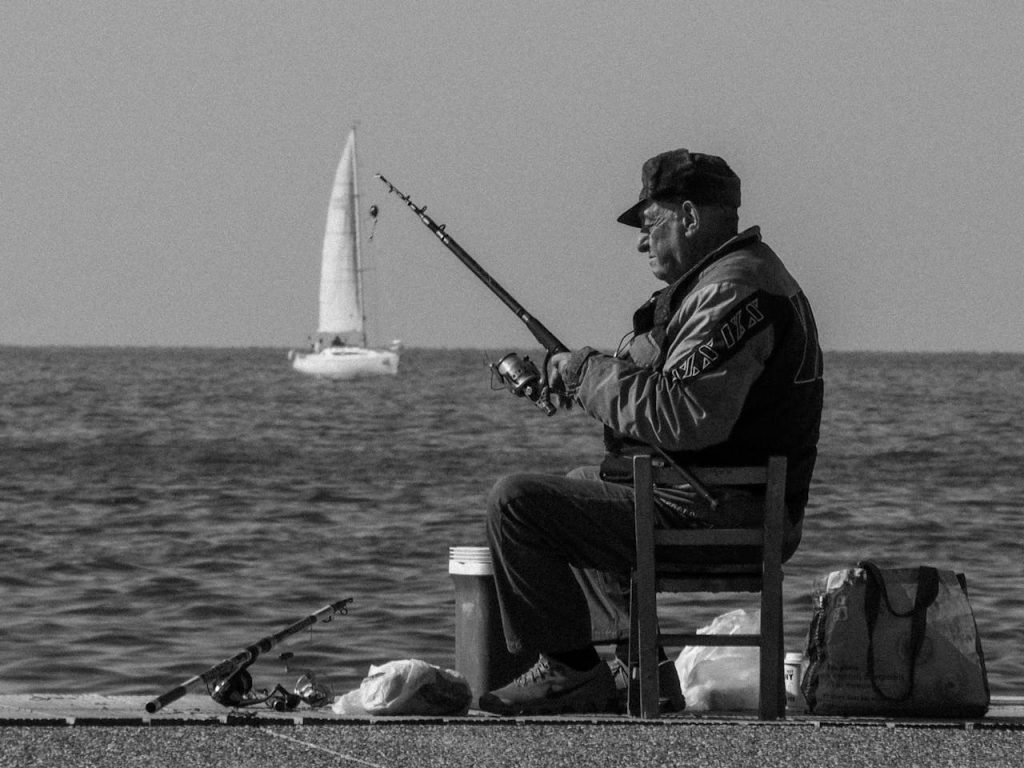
[894, 642]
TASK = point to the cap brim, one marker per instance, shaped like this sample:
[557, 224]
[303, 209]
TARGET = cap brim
[634, 216]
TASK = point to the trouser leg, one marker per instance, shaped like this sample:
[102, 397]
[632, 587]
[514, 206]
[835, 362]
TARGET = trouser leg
[547, 534]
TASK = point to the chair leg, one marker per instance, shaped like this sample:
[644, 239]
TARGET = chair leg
[772, 699]
[644, 683]
[643, 598]
[647, 653]
[772, 704]
[633, 656]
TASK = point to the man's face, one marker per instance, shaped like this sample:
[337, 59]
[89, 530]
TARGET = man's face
[663, 238]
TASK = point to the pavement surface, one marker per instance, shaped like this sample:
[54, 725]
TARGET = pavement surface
[100, 731]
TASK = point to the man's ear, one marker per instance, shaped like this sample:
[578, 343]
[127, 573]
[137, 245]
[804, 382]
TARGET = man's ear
[690, 216]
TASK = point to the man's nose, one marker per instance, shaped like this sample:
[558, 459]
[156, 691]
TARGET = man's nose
[643, 242]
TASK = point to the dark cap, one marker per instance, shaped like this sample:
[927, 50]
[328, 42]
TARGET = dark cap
[684, 175]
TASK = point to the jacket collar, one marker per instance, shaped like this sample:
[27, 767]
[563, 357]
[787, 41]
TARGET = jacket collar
[661, 300]
[665, 300]
[735, 243]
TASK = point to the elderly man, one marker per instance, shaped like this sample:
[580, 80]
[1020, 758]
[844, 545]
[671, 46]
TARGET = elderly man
[723, 367]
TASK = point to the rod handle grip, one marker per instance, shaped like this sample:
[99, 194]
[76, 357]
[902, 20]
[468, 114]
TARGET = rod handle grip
[164, 699]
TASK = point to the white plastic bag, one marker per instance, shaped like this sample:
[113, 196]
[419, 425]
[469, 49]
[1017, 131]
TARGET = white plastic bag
[407, 687]
[722, 677]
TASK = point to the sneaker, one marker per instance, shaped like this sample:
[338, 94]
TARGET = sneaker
[670, 692]
[620, 677]
[550, 687]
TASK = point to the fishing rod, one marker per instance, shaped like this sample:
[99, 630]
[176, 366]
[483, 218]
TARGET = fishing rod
[546, 338]
[226, 677]
[520, 375]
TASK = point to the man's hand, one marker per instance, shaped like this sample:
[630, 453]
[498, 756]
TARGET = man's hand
[557, 364]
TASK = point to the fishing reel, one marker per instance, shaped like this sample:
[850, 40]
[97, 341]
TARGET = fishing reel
[233, 690]
[521, 377]
[236, 691]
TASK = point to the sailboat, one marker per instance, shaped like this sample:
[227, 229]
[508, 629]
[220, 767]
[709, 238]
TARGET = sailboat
[345, 354]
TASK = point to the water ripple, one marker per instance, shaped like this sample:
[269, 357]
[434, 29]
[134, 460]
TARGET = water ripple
[165, 508]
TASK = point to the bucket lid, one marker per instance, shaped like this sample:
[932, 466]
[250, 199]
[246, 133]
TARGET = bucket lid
[470, 561]
[476, 554]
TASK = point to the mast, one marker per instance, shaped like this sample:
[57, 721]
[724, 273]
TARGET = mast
[359, 240]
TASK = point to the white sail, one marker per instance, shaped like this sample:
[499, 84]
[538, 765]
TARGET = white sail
[344, 354]
[341, 310]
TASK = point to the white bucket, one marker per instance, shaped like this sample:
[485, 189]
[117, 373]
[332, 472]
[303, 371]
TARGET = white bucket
[793, 670]
[481, 654]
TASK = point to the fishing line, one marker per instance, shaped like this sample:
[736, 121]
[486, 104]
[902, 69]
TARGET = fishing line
[277, 735]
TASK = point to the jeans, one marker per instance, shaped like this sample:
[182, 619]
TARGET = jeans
[558, 544]
[562, 549]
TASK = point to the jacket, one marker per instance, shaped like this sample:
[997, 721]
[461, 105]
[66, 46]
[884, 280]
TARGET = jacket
[723, 368]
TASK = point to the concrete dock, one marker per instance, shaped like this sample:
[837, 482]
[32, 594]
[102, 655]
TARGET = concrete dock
[98, 731]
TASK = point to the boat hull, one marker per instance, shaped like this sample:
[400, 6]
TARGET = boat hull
[346, 362]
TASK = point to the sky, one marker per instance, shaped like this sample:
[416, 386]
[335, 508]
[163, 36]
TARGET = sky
[165, 167]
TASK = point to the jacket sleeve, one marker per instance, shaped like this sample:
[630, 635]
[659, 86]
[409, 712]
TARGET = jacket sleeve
[716, 346]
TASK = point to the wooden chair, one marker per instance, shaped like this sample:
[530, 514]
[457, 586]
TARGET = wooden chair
[655, 574]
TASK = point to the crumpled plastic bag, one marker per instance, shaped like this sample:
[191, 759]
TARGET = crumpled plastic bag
[722, 678]
[407, 687]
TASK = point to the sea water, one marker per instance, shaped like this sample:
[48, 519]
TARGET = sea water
[164, 508]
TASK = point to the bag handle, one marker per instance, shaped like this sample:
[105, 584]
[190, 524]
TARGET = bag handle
[927, 591]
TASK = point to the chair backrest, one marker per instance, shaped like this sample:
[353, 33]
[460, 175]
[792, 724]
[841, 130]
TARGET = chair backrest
[766, 540]
[656, 572]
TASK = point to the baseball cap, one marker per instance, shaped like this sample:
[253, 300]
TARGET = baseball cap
[684, 175]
